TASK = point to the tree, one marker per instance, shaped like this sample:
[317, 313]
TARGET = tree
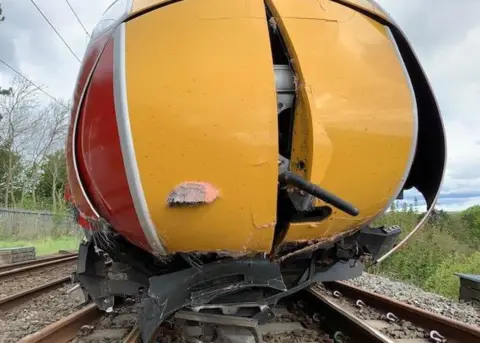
[16, 128]
[49, 136]
[30, 130]
[3, 91]
[53, 178]
[10, 170]
[471, 217]
[2, 17]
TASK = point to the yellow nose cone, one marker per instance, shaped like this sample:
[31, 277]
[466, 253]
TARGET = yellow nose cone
[202, 105]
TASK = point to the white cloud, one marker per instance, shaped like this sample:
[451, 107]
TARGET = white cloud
[446, 42]
[30, 45]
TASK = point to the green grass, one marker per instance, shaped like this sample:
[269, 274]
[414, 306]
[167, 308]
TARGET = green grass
[44, 246]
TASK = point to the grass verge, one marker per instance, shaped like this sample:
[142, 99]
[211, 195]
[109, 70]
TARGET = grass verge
[44, 246]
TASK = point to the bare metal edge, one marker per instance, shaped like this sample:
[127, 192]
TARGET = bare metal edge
[415, 118]
[415, 229]
[411, 157]
[126, 143]
[429, 210]
[129, 7]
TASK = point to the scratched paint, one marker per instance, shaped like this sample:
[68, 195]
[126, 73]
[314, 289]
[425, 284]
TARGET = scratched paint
[192, 193]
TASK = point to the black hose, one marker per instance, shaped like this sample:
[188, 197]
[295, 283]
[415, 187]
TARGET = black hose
[289, 178]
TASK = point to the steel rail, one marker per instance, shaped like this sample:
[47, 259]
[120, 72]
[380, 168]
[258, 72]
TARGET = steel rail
[38, 265]
[313, 302]
[450, 328]
[350, 324]
[66, 328]
[16, 265]
[20, 298]
[133, 336]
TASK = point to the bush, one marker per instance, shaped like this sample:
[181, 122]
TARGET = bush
[444, 281]
[419, 258]
[448, 243]
[471, 218]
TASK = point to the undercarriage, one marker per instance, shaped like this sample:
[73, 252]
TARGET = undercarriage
[216, 292]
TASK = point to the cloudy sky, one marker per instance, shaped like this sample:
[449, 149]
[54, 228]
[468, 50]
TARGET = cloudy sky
[445, 35]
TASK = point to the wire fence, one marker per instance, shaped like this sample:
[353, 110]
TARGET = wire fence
[27, 224]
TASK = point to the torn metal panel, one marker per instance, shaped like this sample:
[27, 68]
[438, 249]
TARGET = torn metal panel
[198, 286]
[312, 245]
[206, 282]
[92, 275]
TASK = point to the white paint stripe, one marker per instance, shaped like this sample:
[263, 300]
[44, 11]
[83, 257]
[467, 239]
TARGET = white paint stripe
[126, 143]
[74, 133]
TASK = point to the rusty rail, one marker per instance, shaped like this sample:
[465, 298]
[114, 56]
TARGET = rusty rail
[316, 302]
[20, 298]
[37, 265]
[449, 328]
[133, 336]
[16, 265]
[66, 328]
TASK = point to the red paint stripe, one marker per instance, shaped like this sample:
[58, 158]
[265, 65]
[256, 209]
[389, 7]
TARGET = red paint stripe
[75, 194]
[99, 155]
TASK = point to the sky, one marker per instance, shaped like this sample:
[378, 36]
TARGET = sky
[444, 34]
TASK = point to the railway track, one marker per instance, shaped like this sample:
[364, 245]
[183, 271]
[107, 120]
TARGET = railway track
[33, 294]
[329, 314]
[60, 255]
[27, 266]
[22, 297]
[356, 302]
[90, 325]
[21, 282]
[66, 328]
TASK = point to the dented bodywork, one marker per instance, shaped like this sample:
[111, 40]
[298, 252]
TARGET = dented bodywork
[230, 153]
[228, 129]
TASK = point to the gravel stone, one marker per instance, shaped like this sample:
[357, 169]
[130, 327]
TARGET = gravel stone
[36, 314]
[298, 337]
[111, 327]
[30, 279]
[402, 329]
[415, 296]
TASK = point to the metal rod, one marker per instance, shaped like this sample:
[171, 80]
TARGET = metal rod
[289, 178]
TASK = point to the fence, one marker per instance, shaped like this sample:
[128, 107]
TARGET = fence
[26, 224]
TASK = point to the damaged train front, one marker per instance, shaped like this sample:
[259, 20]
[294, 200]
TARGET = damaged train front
[225, 154]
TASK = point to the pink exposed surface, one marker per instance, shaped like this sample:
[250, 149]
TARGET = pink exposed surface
[192, 193]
